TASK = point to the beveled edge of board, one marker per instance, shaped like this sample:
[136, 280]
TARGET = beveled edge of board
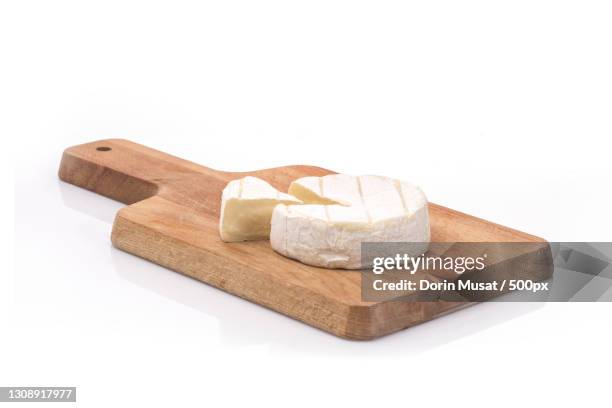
[356, 320]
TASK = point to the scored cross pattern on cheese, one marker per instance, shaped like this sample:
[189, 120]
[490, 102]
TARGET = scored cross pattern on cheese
[370, 197]
[246, 209]
[341, 212]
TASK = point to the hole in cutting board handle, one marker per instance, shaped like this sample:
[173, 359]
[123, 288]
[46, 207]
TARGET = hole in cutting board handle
[103, 149]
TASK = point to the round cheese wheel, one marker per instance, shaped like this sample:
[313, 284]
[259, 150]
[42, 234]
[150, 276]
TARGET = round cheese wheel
[341, 212]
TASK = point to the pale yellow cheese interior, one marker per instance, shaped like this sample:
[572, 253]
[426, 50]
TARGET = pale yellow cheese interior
[248, 220]
[246, 209]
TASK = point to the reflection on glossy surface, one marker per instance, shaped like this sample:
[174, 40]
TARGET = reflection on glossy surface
[86, 202]
[243, 323]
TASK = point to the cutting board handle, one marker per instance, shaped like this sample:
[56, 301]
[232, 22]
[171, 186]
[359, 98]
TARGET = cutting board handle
[122, 170]
[128, 172]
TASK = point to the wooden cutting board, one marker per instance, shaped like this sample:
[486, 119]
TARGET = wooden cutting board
[172, 220]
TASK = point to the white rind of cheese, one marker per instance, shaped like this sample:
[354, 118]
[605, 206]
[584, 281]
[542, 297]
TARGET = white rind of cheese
[341, 212]
[246, 209]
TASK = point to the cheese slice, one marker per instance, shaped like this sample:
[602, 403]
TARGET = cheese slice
[341, 212]
[246, 209]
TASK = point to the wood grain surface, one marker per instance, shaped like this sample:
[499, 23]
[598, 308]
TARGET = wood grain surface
[172, 220]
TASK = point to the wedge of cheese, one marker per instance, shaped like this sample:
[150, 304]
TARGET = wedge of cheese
[341, 212]
[246, 209]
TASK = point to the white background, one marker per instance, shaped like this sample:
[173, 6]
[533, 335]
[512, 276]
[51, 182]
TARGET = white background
[501, 110]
